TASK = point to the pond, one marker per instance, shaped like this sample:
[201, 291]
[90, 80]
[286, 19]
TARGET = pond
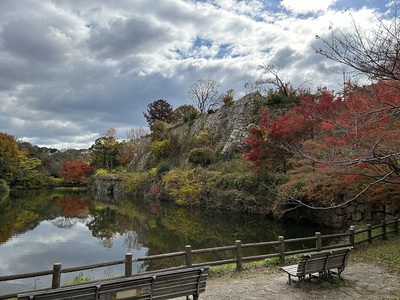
[40, 228]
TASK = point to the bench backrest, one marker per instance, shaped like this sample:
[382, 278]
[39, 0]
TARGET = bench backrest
[161, 285]
[312, 263]
[323, 261]
[165, 285]
[338, 259]
[81, 293]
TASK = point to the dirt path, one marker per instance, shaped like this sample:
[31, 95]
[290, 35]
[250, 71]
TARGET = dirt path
[361, 281]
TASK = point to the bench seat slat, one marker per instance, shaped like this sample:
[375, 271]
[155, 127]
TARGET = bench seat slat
[292, 270]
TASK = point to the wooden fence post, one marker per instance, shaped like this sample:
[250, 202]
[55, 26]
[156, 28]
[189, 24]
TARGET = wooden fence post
[369, 233]
[56, 281]
[188, 250]
[351, 235]
[281, 240]
[396, 225]
[318, 242]
[239, 262]
[384, 229]
[128, 264]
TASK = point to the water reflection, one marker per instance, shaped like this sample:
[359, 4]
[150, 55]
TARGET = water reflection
[39, 228]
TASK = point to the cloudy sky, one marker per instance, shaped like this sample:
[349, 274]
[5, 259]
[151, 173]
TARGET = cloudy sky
[70, 70]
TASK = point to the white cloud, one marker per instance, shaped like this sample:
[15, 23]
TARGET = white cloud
[69, 70]
[307, 6]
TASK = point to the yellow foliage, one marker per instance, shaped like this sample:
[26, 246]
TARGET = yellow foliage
[138, 183]
[153, 171]
[101, 172]
[160, 149]
[203, 138]
[184, 186]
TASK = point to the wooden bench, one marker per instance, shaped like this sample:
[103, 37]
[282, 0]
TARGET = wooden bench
[337, 260]
[152, 286]
[320, 263]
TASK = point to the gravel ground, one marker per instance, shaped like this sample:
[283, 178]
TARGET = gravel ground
[360, 281]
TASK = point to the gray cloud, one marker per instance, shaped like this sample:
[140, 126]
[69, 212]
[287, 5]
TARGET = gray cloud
[69, 70]
[127, 37]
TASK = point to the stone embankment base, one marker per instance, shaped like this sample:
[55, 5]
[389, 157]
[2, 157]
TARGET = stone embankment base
[360, 281]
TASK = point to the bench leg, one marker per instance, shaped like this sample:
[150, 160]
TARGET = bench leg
[339, 271]
[298, 281]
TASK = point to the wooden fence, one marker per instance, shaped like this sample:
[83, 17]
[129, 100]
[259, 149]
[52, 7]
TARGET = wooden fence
[349, 238]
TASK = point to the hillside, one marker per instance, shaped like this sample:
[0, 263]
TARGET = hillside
[226, 127]
[221, 178]
[200, 163]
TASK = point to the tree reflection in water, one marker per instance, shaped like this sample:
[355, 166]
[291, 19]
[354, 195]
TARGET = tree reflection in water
[140, 228]
[131, 241]
[63, 222]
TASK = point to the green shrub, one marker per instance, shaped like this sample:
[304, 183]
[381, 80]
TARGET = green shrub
[201, 156]
[186, 113]
[159, 130]
[101, 172]
[160, 149]
[174, 145]
[80, 278]
[203, 138]
[227, 98]
[138, 184]
[53, 182]
[30, 179]
[183, 186]
[4, 186]
[162, 168]
[279, 99]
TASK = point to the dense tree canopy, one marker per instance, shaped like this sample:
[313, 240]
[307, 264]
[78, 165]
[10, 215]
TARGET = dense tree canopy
[334, 148]
[105, 151]
[10, 156]
[159, 110]
[16, 167]
[76, 171]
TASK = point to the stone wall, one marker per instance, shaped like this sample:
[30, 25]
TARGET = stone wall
[227, 128]
[355, 211]
[108, 188]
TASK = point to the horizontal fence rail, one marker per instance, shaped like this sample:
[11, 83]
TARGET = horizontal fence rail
[188, 255]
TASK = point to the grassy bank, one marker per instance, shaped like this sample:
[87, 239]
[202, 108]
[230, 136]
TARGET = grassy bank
[382, 252]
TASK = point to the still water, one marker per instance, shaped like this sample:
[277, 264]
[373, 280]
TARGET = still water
[39, 228]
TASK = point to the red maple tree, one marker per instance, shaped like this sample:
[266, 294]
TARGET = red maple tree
[334, 148]
[74, 206]
[76, 171]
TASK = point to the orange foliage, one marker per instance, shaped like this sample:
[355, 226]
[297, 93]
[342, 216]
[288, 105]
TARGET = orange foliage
[76, 171]
[74, 206]
[341, 145]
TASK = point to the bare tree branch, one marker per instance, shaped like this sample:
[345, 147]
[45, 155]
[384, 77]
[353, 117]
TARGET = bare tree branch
[205, 94]
[300, 203]
[374, 52]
